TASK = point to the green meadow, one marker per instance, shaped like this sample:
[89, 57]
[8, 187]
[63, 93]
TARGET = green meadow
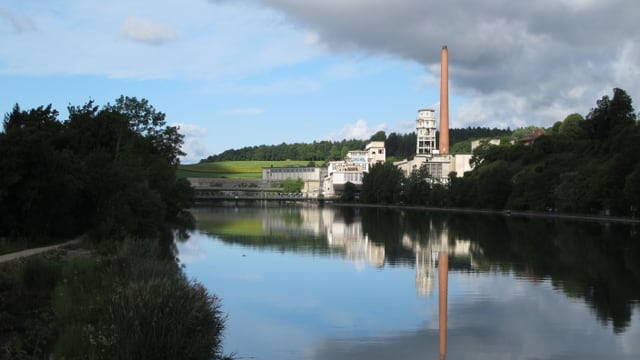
[233, 169]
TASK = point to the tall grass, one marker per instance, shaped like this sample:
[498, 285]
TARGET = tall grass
[139, 307]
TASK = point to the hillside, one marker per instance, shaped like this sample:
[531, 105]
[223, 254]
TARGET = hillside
[232, 169]
[399, 146]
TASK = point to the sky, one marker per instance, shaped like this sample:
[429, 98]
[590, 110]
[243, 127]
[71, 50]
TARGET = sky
[236, 73]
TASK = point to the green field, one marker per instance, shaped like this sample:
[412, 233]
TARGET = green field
[233, 169]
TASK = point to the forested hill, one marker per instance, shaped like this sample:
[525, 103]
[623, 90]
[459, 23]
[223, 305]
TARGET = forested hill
[398, 146]
[581, 165]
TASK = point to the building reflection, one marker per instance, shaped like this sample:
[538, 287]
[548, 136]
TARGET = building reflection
[346, 234]
[435, 251]
[426, 250]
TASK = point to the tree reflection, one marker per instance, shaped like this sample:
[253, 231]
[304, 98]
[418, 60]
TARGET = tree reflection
[598, 263]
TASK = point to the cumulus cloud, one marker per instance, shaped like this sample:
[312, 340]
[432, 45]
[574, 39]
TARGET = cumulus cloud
[194, 144]
[147, 31]
[358, 130]
[515, 60]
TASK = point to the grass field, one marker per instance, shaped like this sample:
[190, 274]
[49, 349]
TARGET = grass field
[233, 169]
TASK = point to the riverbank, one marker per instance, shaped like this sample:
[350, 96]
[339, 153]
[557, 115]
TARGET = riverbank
[72, 300]
[530, 214]
[34, 251]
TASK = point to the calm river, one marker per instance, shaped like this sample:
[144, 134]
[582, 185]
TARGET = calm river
[348, 283]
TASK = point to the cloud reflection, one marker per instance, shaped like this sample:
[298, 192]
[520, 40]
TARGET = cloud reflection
[536, 323]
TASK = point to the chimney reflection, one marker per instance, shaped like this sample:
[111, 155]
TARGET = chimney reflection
[443, 288]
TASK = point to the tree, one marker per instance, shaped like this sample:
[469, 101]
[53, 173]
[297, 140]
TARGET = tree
[416, 188]
[109, 170]
[144, 120]
[382, 184]
[494, 185]
[348, 195]
[379, 136]
[42, 181]
[571, 126]
[292, 186]
[610, 116]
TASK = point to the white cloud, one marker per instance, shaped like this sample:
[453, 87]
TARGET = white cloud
[190, 129]
[539, 52]
[147, 31]
[194, 144]
[358, 130]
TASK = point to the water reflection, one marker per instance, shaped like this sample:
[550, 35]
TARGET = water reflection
[443, 290]
[507, 287]
[342, 232]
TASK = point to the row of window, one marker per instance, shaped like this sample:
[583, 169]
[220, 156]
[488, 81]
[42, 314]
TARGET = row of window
[292, 170]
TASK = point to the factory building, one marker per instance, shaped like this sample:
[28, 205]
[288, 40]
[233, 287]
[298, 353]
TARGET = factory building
[438, 161]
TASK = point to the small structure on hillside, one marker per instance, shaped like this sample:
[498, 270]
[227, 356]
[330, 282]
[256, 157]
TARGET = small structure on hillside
[531, 137]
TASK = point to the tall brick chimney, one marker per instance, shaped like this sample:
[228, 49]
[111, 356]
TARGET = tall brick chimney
[444, 101]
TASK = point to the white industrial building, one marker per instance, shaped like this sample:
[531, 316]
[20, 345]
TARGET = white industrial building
[438, 165]
[352, 168]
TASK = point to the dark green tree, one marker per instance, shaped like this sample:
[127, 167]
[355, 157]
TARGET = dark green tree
[349, 193]
[382, 184]
[378, 136]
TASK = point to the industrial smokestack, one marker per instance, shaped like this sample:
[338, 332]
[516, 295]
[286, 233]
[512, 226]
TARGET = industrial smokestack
[444, 101]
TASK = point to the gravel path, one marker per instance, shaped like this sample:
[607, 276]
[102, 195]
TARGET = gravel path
[29, 252]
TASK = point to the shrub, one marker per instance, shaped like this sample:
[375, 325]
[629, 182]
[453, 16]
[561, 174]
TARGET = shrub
[39, 273]
[160, 318]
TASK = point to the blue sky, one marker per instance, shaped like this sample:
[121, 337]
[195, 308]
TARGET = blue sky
[251, 72]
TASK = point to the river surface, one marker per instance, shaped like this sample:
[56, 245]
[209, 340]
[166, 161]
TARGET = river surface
[349, 283]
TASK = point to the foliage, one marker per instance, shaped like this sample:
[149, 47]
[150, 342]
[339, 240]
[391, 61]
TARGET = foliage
[111, 170]
[588, 165]
[382, 184]
[133, 306]
[27, 326]
[349, 193]
[399, 146]
[318, 151]
[378, 136]
[292, 186]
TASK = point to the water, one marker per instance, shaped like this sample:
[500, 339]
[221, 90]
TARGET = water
[345, 283]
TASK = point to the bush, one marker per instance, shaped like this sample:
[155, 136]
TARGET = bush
[161, 318]
[135, 306]
[40, 274]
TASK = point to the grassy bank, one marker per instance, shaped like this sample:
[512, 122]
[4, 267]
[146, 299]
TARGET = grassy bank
[78, 303]
[232, 169]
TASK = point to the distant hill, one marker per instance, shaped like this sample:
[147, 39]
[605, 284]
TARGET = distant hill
[398, 146]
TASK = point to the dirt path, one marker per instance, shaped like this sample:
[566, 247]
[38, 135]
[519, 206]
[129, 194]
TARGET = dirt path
[29, 252]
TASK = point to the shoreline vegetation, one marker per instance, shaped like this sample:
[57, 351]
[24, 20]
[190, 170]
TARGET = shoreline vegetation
[108, 172]
[77, 301]
[507, 212]
[112, 172]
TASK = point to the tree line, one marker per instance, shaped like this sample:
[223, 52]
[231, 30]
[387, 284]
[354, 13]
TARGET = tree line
[106, 170]
[109, 172]
[398, 146]
[582, 164]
